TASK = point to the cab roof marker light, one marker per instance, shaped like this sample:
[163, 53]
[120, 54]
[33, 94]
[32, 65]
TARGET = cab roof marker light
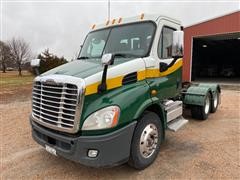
[107, 23]
[113, 21]
[142, 16]
[93, 27]
[119, 20]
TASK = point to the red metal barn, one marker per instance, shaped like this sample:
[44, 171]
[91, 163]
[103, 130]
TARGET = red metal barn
[212, 49]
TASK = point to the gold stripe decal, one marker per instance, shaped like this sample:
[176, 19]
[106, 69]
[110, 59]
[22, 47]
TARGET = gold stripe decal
[141, 75]
[111, 84]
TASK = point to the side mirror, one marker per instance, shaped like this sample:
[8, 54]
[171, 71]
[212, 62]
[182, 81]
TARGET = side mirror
[35, 63]
[177, 48]
[107, 59]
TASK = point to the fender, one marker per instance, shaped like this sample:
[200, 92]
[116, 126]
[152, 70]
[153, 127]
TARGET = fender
[153, 105]
[196, 95]
[213, 87]
[142, 108]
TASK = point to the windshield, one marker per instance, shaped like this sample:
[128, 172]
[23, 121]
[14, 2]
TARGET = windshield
[132, 39]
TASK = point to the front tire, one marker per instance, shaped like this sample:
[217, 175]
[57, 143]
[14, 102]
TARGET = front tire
[201, 112]
[146, 141]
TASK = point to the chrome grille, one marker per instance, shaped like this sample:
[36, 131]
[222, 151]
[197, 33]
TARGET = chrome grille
[55, 105]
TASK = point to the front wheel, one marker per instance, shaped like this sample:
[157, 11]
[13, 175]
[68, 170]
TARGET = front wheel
[146, 141]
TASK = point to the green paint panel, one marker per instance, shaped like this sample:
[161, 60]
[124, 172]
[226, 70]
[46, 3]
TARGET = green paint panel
[78, 68]
[168, 86]
[128, 97]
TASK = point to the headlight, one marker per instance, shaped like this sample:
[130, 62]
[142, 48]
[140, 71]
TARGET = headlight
[102, 119]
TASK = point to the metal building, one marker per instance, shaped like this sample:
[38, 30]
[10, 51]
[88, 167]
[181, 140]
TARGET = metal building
[212, 49]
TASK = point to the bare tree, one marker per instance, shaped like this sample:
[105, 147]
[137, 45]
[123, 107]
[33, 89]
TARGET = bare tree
[20, 51]
[5, 56]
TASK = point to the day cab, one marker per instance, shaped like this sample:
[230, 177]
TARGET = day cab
[114, 103]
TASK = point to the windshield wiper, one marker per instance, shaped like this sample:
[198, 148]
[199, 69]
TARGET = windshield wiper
[125, 55]
[83, 57]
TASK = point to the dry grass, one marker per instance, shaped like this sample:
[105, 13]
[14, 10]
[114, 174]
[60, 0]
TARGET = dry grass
[11, 79]
[14, 87]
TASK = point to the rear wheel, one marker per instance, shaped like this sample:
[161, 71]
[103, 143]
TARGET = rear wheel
[215, 102]
[201, 112]
[146, 141]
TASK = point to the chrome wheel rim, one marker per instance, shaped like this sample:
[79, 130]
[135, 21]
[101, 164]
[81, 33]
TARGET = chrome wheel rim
[215, 101]
[148, 140]
[207, 105]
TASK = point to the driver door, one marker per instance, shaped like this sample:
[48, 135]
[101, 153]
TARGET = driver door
[167, 83]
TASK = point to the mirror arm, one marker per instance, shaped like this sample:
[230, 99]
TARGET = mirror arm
[173, 62]
[36, 70]
[103, 86]
[107, 59]
[168, 65]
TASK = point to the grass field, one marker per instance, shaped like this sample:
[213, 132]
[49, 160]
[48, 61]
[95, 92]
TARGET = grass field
[12, 79]
[14, 87]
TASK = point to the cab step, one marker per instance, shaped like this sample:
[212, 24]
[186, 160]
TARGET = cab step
[177, 123]
[174, 109]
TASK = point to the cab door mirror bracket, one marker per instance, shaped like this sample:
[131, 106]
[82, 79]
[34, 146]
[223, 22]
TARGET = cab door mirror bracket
[163, 66]
[107, 59]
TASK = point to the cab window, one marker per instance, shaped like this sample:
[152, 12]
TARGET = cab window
[132, 39]
[165, 43]
[96, 47]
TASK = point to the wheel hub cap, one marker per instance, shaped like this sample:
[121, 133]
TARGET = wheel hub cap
[207, 106]
[148, 140]
[215, 102]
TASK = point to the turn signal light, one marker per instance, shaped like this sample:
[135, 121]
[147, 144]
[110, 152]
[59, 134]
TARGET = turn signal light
[93, 26]
[119, 20]
[113, 21]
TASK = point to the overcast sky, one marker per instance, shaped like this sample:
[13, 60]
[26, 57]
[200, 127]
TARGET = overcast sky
[62, 26]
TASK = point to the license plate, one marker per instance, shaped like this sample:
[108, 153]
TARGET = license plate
[51, 150]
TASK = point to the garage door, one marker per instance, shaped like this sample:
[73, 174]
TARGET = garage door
[216, 57]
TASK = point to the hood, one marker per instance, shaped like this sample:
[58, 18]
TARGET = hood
[77, 68]
[82, 68]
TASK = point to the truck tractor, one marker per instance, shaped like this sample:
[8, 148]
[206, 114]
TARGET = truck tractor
[114, 103]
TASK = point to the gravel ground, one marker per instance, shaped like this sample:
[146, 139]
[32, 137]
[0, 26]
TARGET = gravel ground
[201, 150]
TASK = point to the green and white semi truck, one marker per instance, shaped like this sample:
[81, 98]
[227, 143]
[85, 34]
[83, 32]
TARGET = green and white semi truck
[114, 103]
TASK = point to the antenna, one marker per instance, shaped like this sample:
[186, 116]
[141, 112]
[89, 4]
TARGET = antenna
[108, 10]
